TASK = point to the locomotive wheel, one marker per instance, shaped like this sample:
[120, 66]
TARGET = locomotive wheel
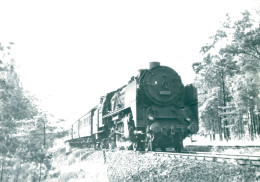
[135, 145]
[177, 142]
[152, 145]
[163, 148]
[103, 144]
[118, 141]
[181, 145]
[110, 145]
[146, 147]
[178, 146]
[177, 149]
[149, 144]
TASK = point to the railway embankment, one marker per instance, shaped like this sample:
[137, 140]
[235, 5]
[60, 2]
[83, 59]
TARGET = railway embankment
[120, 165]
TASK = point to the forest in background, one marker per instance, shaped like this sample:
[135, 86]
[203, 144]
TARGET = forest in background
[26, 132]
[228, 86]
[228, 81]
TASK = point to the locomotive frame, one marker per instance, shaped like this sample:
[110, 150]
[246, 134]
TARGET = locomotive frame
[154, 110]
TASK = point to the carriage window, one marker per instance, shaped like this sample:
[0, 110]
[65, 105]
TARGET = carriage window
[80, 123]
[85, 122]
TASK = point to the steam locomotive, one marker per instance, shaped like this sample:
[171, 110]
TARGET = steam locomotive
[154, 110]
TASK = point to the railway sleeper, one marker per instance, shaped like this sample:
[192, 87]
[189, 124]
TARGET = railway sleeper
[255, 162]
[230, 160]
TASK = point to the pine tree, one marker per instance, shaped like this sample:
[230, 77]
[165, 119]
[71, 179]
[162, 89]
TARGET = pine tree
[26, 133]
[228, 79]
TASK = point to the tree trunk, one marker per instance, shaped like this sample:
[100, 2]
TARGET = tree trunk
[240, 126]
[220, 129]
[214, 131]
[2, 170]
[44, 134]
[18, 169]
[249, 124]
[40, 175]
[254, 119]
[44, 145]
[252, 123]
[257, 123]
[226, 130]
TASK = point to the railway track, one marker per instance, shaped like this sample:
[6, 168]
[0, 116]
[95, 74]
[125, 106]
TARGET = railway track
[240, 159]
[208, 148]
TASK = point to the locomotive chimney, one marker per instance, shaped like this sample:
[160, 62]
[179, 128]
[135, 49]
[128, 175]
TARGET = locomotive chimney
[154, 64]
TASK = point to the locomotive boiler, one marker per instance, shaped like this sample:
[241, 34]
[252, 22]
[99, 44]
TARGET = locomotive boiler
[153, 110]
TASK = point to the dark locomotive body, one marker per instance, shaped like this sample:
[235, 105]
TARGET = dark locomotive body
[153, 110]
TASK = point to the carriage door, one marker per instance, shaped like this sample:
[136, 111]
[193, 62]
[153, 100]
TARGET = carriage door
[95, 122]
[101, 124]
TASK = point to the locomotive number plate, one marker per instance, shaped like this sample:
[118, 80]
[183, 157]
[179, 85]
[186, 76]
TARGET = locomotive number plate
[165, 92]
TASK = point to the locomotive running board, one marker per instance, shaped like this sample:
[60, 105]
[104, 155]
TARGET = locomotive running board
[111, 114]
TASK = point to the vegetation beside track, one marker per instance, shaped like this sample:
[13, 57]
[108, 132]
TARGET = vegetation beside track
[90, 165]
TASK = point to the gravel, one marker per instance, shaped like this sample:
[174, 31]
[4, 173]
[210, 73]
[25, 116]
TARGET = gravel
[88, 165]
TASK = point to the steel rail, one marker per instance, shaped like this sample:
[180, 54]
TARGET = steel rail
[216, 157]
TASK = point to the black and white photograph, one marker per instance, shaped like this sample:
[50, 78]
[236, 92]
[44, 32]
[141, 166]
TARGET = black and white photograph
[130, 91]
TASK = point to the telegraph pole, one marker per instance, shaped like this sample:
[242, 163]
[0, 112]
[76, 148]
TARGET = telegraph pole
[44, 143]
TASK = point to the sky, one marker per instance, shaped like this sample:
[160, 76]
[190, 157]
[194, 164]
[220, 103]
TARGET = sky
[69, 53]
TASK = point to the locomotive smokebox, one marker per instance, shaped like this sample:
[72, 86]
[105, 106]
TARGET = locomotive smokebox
[154, 64]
